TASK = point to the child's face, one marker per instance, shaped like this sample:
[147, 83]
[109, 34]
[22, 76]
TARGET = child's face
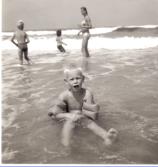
[20, 25]
[75, 80]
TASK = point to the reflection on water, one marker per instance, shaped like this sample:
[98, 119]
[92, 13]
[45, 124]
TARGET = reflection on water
[125, 86]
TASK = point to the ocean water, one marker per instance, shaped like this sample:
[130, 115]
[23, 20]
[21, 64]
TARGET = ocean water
[122, 72]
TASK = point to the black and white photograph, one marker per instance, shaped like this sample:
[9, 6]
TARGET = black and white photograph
[79, 82]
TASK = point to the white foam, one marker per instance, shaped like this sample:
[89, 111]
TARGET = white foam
[143, 26]
[8, 154]
[49, 44]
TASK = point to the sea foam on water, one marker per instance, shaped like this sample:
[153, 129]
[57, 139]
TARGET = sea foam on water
[41, 41]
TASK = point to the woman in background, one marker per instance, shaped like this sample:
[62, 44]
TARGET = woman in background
[85, 26]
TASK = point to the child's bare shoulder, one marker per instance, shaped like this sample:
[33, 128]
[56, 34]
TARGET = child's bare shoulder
[88, 91]
[64, 94]
[88, 95]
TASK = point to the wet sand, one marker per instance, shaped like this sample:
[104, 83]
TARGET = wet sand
[124, 83]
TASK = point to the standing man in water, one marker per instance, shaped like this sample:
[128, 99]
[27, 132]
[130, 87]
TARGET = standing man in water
[85, 26]
[20, 39]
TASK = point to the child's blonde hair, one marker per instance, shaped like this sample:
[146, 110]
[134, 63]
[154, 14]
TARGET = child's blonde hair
[20, 22]
[67, 70]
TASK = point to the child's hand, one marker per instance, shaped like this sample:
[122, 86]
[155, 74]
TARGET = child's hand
[75, 117]
[17, 45]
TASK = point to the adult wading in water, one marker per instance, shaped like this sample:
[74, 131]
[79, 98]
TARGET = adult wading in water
[85, 26]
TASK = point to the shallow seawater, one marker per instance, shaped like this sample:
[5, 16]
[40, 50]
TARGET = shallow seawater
[124, 83]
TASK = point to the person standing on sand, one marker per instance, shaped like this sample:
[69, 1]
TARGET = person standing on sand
[85, 26]
[20, 39]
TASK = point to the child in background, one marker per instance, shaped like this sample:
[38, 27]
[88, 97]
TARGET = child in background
[20, 39]
[77, 105]
[59, 41]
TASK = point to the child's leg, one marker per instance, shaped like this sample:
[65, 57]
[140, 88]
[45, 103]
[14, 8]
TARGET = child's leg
[20, 53]
[61, 48]
[67, 132]
[108, 136]
[26, 55]
[96, 129]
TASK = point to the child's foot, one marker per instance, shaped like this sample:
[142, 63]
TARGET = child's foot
[111, 136]
[66, 151]
[66, 144]
[29, 62]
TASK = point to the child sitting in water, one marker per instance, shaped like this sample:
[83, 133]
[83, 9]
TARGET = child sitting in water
[20, 39]
[59, 41]
[76, 105]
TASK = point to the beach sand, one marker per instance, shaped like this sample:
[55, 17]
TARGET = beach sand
[124, 83]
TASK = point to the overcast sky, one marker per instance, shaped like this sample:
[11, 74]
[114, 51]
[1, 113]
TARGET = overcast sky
[51, 14]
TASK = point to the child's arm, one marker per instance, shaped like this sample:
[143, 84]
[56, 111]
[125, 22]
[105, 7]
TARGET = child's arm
[26, 39]
[13, 40]
[59, 114]
[59, 110]
[89, 108]
[63, 43]
[69, 116]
